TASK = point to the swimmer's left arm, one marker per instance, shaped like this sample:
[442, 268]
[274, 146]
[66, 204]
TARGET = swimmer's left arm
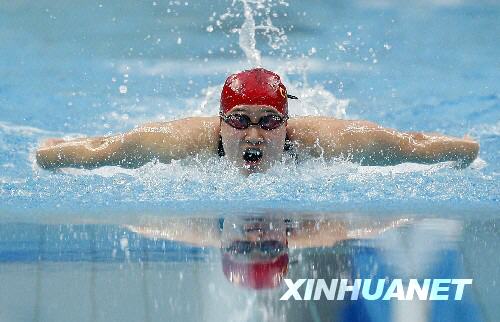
[370, 144]
[327, 232]
[375, 145]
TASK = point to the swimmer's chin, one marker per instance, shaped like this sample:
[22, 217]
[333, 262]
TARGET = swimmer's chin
[247, 168]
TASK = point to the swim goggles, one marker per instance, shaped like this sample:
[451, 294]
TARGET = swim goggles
[241, 121]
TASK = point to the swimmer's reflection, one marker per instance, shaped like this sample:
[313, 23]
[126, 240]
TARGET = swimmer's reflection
[255, 250]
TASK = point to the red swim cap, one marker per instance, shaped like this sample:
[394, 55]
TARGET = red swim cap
[256, 86]
[256, 275]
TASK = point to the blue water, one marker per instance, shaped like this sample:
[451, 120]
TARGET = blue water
[94, 68]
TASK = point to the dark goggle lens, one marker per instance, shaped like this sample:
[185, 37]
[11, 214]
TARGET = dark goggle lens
[238, 121]
[271, 246]
[268, 122]
[239, 247]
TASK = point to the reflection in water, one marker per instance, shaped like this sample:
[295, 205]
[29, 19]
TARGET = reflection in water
[255, 250]
[231, 269]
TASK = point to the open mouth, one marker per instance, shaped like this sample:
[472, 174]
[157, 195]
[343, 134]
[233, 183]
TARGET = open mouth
[252, 156]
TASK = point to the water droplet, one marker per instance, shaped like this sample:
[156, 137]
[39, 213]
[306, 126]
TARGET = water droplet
[123, 243]
[179, 41]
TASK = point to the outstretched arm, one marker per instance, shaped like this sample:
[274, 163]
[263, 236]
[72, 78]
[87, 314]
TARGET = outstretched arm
[203, 232]
[370, 144]
[328, 232]
[162, 141]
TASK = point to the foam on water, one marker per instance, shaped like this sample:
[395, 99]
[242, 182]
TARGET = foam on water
[310, 182]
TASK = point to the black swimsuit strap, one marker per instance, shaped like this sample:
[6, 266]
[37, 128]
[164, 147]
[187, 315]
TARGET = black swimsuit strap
[288, 146]
[220, 148]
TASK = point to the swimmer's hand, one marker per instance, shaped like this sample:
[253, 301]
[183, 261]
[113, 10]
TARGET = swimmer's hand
[57, 153]
[435, 147]
[43, 155]
[430, 147]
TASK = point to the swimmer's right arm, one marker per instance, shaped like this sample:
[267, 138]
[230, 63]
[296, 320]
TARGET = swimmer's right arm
[164, 142]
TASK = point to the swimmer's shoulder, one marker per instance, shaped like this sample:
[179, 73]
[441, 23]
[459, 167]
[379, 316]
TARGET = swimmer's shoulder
[198, 133]
[319, 135]
[308, 127]
[195, 123]
[308, 122]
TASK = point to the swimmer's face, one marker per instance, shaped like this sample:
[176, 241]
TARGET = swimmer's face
[268, 231]
[253, 149]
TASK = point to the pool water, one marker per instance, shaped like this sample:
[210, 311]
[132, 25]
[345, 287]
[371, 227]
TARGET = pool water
[96, 68]
[133, 272]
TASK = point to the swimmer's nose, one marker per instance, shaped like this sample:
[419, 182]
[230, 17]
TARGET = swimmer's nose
[254, 136]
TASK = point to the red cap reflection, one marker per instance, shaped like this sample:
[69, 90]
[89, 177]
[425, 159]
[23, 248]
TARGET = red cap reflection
[261, 274]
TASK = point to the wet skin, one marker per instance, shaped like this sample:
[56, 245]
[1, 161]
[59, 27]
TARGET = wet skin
[312, 136]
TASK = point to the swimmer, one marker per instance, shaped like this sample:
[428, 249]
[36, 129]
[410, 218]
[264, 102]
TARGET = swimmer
[254, 131]
[255, 249]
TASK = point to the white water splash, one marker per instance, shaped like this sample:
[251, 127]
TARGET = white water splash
[314, 100]
[258, 16]
[318, 101]
[247, 36]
